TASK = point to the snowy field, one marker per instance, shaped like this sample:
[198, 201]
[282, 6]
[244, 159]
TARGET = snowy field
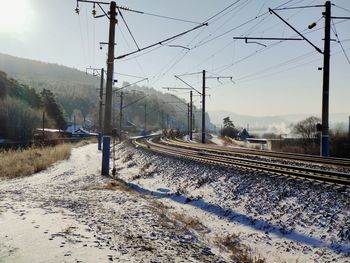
[170, 210]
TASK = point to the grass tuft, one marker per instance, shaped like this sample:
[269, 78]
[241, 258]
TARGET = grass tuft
[24, 162]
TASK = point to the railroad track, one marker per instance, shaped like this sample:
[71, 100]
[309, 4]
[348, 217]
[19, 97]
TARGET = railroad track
[337, 162]
[213, 158]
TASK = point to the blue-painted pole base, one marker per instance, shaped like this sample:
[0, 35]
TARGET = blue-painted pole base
[203, 137]
[99, 141]
[325, 146]
[191, 136]
[105, 155]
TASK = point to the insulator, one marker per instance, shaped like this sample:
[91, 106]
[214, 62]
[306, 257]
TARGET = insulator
[312, 25]
[77, 9]
[94, 10]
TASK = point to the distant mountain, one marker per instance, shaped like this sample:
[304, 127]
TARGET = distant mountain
[276, 123]
[59, 79]
[244, 120]
[77, 92]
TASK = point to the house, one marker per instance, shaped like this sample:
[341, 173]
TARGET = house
[243, 135]
[83, 133]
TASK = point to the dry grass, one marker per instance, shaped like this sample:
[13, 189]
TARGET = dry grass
[228, 141]
[15, 163]
[144, 172]
[238, 252]
[115, 184]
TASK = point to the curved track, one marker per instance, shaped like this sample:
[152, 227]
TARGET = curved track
[210, 155]
[339, 162]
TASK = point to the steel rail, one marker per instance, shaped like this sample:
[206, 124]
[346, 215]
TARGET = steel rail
[276, 155]
[227, 161]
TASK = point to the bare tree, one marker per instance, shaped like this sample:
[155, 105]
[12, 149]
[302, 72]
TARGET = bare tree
[307, 128]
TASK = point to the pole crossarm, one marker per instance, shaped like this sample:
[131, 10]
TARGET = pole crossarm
[93, 2]
[171, 88]
[128, 85]
[267, 38]
[188, 84]
[95, 71]
[308, 41]
[163, 41]
[340, 17]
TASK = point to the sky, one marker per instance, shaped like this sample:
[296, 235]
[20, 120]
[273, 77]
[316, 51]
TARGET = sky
[268, 77]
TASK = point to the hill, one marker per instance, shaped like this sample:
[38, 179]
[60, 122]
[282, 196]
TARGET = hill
[77, 92]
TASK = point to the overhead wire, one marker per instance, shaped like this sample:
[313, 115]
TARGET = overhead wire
[345, 9]
[157, 15]
[224, 67]
[127, 27]
[285, 70]
[135, 58]
[236, 27]
[223, 10]
[340, 43]
[82, 41]
[88, 37]
[182, 53]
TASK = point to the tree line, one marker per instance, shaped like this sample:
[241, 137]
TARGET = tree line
[22, 109]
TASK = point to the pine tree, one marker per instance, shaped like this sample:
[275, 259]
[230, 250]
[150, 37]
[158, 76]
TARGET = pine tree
[53, 109]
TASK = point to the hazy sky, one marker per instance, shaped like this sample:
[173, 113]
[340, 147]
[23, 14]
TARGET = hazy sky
[281, 78]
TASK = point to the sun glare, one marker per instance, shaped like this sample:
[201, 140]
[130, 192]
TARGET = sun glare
[16, 16]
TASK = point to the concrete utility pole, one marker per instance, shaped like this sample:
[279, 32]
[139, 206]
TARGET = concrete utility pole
[43, 125]
[324, 149]
[191, 115]
[188, 119]
[325, 95]
[120, 116]
[145, 116]
[100, 118]
[107, 130]
[203, 108]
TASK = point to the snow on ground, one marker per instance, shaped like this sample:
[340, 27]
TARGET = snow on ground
[171, 210]
[279, 219]
[216, 140]
[70, 213]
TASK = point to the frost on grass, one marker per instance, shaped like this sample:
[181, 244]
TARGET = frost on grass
[281, 219]
[73, 214]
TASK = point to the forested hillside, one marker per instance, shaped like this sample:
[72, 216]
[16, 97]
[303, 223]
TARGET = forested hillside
[77, 92]
[22, 108]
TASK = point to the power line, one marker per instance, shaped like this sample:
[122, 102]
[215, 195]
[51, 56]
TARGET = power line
[136, 60]
[342, 8]
[285, 70]
[223, 10]
[163, 41]
[236, 27]
[157, 15]
[127, 27]
[340, 43]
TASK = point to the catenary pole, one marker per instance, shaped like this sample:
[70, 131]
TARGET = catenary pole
[325, 94]
[203, 108]
[120, 116]
[107, 130]
[191, 114]
[145, 117]
[100, 118]
[188, 119]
